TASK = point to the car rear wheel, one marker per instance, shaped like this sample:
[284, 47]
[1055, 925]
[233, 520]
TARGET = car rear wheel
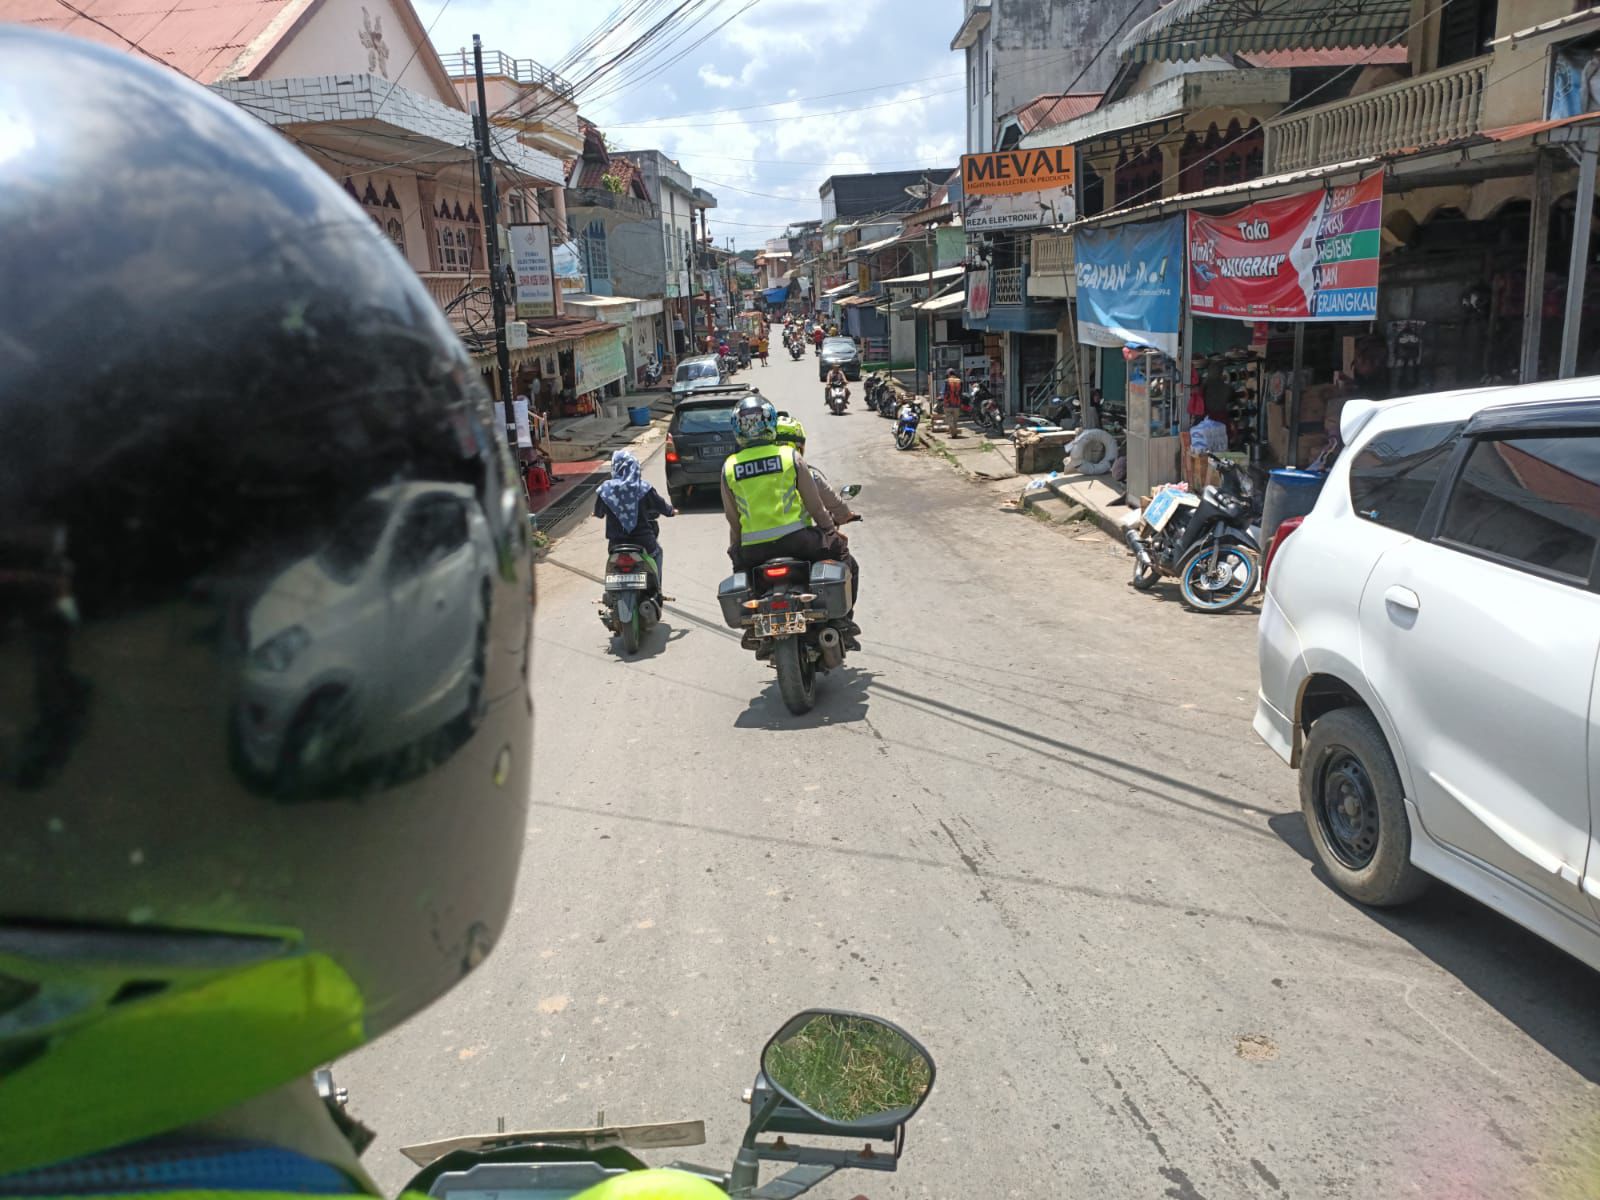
[1355, 810]
[677, 497]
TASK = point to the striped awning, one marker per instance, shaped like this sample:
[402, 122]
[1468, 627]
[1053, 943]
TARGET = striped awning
[1186, 30]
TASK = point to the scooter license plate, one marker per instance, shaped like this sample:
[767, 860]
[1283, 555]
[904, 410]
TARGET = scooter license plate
[779, 624]
[625, 581]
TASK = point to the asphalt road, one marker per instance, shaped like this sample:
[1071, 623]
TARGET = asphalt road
[1030, 823]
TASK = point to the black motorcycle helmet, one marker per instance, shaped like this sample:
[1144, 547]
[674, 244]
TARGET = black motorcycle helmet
[265, 606]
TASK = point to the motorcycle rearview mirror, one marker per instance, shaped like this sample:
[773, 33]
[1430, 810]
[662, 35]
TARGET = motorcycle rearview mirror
[850, 491]
[847, 1070]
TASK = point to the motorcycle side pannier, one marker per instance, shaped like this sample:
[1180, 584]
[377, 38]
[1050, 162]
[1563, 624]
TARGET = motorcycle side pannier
[732, 592]
[831, 582]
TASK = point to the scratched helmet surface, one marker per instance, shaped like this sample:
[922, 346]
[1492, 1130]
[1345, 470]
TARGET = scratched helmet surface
[265, 607]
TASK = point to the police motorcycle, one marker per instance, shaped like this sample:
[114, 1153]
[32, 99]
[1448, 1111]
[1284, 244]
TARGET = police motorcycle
[824, 1074]
[793, 614]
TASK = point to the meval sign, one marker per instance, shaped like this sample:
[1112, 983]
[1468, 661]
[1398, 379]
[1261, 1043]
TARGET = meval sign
[1018, 189]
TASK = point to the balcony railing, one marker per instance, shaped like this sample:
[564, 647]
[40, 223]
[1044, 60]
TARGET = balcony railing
[467, 293]
[1429, 110]
[458, 64]
[605, 198]
[1007, 286]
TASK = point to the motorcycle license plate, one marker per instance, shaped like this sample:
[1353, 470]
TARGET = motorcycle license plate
[625, 581]
[779, 624]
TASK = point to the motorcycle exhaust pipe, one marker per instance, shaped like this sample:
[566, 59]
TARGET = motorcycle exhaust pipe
[831, 646]
[1139, 551]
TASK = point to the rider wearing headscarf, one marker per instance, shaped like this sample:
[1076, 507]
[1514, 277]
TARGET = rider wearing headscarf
[631, 506]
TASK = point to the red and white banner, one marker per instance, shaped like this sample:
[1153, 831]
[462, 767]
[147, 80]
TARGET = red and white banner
[1311, 257]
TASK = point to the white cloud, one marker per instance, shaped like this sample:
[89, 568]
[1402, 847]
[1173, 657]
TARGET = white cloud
[712, 78]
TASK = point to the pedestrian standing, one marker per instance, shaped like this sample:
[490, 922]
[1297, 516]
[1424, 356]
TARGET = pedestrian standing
[761, 346]
[952, 403]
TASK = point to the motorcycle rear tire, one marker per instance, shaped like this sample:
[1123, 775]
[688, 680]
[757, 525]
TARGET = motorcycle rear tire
[797, 678]
[628, 631]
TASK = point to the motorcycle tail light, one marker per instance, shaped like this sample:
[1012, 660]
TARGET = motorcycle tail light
[778, 605]
[1279, 536]
[626, 562]
[774, 572]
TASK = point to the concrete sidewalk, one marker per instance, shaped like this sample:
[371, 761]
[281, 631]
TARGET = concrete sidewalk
[1071, 496]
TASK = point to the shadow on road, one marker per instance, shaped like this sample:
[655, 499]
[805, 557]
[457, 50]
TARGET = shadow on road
[652, 644]
[1546, 993]
[841, 700]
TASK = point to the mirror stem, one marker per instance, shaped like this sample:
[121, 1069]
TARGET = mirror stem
[746, 1165]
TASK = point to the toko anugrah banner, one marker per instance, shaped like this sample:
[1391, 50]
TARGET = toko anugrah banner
[1309, 257]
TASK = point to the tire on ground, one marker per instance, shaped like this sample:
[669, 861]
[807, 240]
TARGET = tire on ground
[1389, 878]
[1092, 452]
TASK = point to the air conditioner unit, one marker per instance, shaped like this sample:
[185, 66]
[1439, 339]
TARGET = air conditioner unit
[516, 335]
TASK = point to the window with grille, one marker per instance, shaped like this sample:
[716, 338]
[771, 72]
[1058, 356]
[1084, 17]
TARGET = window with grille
[598, 258]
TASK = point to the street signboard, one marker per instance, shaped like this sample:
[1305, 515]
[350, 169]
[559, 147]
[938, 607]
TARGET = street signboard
[1308, 257]
[1129, 283]
[534, 271]
[1018, 189]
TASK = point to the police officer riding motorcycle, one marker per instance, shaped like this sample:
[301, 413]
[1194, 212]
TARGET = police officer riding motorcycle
[772, 503]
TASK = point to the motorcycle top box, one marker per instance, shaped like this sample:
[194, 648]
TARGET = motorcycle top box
[732, 592]
[830, 581]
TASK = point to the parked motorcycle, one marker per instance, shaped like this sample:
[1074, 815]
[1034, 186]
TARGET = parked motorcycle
[1209, 542]
[906, 424]
[652, 372]
[793, 615]
[825, 1074]
[838, 398]
[986, 409]
[631, 605]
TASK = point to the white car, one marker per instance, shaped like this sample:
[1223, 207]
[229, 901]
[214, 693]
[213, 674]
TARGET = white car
[1428, 645]
[377, 639]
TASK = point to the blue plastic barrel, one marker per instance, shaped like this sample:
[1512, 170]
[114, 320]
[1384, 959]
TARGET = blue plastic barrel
[1291, 492]
[639, 416]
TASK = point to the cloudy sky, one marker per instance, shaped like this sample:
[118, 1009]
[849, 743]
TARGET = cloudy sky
[754, 111]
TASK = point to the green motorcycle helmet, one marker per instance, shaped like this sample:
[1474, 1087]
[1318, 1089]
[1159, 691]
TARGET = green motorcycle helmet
[265, 614]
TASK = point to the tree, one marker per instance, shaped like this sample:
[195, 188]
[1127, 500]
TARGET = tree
[611, 183]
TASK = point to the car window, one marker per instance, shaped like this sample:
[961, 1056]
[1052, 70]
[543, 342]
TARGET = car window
[1393, 476]
[1532, 501]
[434, 527]
[353, 541]
[705, 419]
[839, 345]
[697, 370]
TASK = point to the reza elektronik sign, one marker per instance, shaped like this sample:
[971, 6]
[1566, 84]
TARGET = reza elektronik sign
[1018, 189]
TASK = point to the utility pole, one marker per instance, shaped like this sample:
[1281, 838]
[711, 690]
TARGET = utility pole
[931, 242]
[490, 201]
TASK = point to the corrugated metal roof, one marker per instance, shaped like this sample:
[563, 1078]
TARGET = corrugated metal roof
[922, 276]
[1052, 108]
[1189, 30]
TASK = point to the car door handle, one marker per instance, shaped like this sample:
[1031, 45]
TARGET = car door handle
[1403, 597]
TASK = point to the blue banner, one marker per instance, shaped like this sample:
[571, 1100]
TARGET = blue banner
[777, 295]
[1130, 281]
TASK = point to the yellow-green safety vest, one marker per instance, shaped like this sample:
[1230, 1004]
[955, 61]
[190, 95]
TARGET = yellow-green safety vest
[766, 491]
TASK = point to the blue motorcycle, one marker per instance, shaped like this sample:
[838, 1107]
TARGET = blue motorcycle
[905, 425]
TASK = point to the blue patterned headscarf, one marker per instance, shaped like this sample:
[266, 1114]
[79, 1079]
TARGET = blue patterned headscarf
[626, 487]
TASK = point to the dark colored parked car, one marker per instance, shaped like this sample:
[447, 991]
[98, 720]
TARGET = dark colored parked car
[839, 352]
[699, 438]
